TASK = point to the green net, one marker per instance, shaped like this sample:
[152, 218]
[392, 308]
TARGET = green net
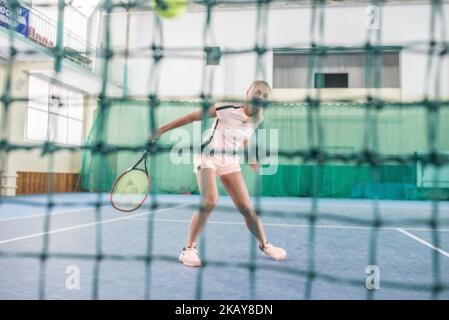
[370, 148]
[401, 133]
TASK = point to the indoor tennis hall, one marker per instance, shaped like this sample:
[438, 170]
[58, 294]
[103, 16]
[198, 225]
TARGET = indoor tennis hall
[337, 114]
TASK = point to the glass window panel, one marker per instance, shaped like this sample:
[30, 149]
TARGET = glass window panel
[58, 129]
[75, 132]
[37, 124]
[76, 105]
[38, 93]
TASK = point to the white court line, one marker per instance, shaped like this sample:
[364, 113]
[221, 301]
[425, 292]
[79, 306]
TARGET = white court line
[324, 206]
[295, 225]
[422, 241]
[85, 225]
[31, 216]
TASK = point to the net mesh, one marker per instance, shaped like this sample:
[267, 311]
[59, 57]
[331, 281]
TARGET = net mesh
[381, 155]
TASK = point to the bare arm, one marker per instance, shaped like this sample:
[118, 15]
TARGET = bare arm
[189, 118]
[253, 164]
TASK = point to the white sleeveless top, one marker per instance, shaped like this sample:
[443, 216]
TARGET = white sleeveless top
[231, 127]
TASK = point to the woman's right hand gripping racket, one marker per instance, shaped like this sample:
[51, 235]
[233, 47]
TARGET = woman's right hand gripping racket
[131, 188]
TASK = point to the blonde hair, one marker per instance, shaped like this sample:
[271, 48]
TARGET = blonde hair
[257, 83]
[258, 115]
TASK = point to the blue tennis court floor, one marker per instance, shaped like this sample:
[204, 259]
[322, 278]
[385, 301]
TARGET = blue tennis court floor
[85, 253]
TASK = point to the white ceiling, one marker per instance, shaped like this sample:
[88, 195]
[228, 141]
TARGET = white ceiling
[86, 7]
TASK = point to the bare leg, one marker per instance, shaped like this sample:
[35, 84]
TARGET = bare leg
[237, 190]
[209, 196]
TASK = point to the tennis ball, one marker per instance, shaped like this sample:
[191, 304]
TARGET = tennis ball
[169, 8]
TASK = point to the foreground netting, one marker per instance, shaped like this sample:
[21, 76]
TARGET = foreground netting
[106, 155]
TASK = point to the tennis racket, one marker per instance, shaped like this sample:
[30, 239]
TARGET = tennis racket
[131, 188]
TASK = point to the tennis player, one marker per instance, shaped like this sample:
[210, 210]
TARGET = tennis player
[234, 124]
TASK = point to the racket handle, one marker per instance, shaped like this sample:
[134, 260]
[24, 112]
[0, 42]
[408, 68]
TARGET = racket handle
[154, 138]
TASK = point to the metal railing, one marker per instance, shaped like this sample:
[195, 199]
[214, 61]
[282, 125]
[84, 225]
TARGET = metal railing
[43, 31]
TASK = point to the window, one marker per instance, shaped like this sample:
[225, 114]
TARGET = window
[336, 69]
[55, 113]
[331, 80]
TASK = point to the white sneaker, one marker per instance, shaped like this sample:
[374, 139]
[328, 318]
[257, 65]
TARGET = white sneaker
[189, 257]
[273, 252]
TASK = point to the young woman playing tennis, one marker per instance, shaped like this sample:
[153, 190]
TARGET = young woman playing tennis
[233, 126]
